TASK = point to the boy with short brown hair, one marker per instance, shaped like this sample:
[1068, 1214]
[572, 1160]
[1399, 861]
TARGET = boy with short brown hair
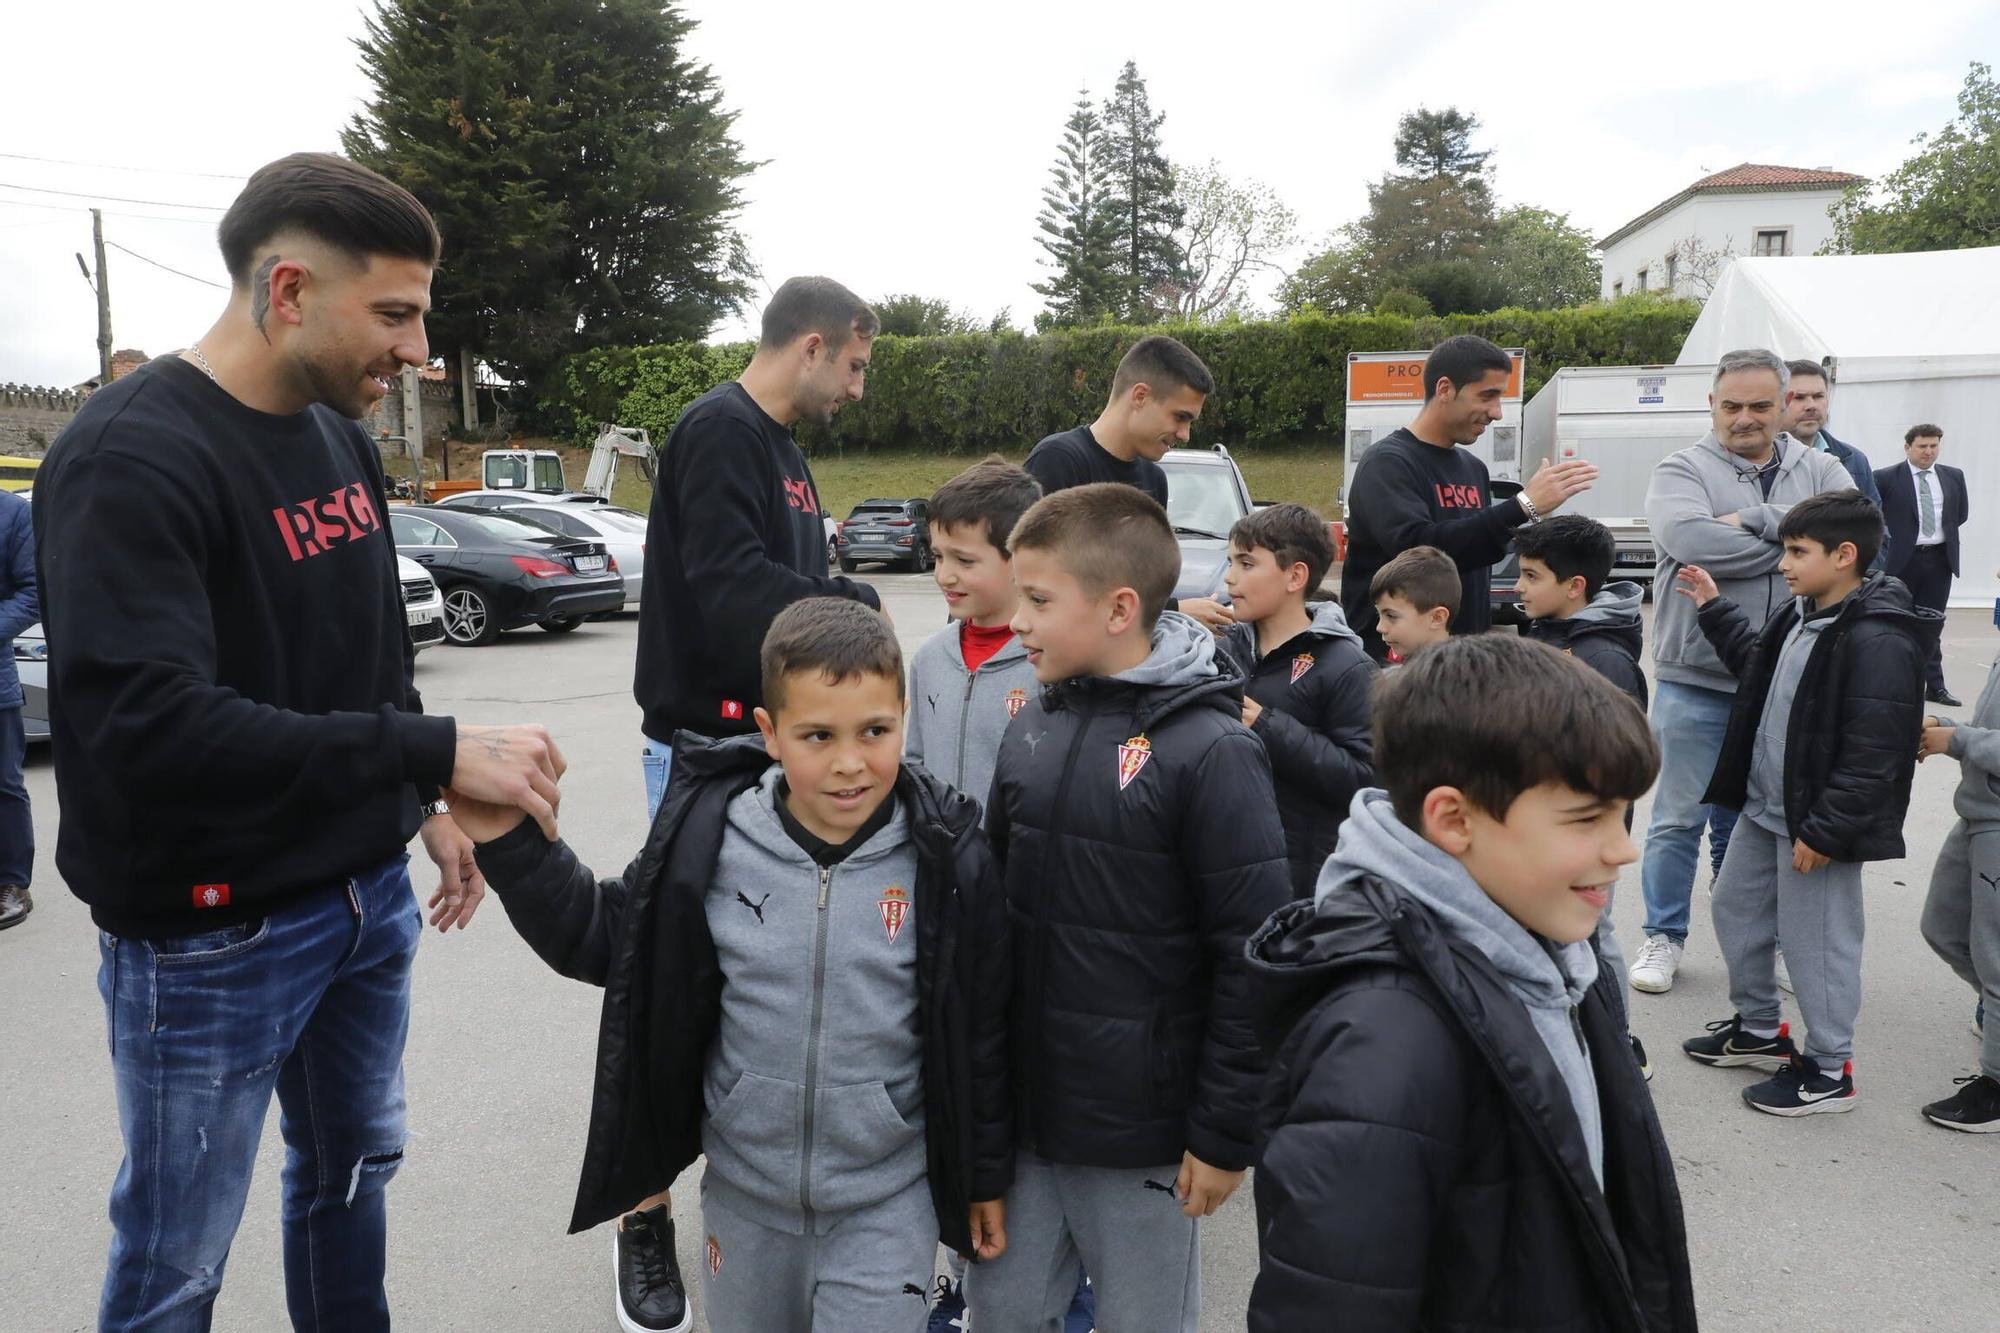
[1416, 597]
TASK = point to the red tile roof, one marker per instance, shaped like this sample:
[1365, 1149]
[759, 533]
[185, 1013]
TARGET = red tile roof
[1749, 177]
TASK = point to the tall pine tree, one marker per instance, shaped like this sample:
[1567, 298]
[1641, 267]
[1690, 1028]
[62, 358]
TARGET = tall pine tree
[1077, 226]
[579, 165]
[1142, 201]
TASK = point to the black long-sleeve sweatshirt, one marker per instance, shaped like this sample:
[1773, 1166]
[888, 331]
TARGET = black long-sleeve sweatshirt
[231, 703]
[735, 536]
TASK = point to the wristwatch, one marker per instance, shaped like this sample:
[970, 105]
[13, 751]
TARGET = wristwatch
[432, 809]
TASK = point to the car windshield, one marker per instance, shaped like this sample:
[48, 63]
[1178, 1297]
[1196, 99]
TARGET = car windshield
[622, 519]
[1204, 498]
[512, 527]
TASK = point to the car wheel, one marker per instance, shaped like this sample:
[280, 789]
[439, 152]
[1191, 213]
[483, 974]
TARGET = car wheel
[848, 566]
[832, 553]
[924, 561]
[561, 624]
[468, 619]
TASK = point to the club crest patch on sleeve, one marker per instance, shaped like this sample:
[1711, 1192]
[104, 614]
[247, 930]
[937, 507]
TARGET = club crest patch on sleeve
[895, 905]
[1132, 757]
[1300, 665]
[713, 1255]
[1017, 699]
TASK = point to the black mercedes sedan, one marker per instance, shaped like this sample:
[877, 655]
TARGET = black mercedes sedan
[499, 572]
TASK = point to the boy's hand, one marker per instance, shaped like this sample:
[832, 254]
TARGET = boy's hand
[1202, 1188]
[989, 1229]
[1805, 860]
[460, 887]
[482, 821]
[1211, 613]
[1252, 710]
[1694, 583]
[516, 766]
[1935, 740]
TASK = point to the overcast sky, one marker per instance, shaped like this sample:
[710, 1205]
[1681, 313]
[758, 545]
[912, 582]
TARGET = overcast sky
[907, 143]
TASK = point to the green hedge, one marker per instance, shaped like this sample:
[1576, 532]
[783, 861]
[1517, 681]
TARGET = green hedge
[1278, 381]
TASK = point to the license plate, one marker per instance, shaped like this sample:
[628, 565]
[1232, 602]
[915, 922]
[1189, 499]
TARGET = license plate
[589, 564]
[417, 618]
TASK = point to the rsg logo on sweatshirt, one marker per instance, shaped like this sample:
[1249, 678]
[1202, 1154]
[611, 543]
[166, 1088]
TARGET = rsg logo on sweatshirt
[314, 527]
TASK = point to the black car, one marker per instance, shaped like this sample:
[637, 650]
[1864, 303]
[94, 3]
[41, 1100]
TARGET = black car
[498, 572]
[898, 531]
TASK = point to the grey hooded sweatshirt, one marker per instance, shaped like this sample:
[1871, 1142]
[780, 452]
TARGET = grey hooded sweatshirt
[1549, 980]
[957, 717]
[1686, 503]
[1976, 746]
[814, 1084]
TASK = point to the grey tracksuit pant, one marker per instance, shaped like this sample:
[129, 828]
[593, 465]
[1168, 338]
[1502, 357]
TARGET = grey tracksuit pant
[1143, 1252]
[1962, 922]
[1761, 902]
[869, 1270]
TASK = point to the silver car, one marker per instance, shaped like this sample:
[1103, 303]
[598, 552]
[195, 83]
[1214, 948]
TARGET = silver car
[623, 532]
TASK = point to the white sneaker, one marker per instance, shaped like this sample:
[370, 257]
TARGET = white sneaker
[1659, 959]
[1784, 975]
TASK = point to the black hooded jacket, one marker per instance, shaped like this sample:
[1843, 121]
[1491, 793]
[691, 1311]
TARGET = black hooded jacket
[1140, 842]
[1851, 742]
[1422, 1166]
[644, 937]
[1315, 691]
[1607, 636]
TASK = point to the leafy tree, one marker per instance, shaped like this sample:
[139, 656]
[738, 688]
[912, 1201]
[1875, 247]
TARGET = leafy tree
[908, 316]
[1336, 280]
[1405, 301]
[1542, 262]
[1142, 204]
[1077, 226]
[1229, 233]
[580, 166]
[1944, 197]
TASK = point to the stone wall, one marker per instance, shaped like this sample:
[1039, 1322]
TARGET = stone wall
[32, 417]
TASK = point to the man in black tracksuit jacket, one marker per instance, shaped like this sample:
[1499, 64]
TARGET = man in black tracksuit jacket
[644, 936]
[1510, 1230]
[1314, 689]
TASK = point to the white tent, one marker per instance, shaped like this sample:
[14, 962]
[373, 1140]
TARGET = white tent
[1910, 338]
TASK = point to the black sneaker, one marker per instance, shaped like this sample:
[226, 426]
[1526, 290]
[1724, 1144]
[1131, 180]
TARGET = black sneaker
[1973, 1109]
[1800, 1089]
[1645, 1065]
[1727, 1046]
[651, 1296]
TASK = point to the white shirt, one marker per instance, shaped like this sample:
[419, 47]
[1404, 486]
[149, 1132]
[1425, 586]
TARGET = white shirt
[1923, 478]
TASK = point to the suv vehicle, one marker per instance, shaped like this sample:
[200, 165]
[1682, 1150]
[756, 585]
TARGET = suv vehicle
[898, 531]
[1206, 495]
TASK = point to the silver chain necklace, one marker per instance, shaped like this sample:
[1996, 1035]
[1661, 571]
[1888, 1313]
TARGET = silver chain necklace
[202, 361]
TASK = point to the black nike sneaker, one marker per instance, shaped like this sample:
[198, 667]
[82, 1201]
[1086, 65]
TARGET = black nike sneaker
[1728, 1046]
[1973, 1109]
[1801, 1089]
[651, 1295]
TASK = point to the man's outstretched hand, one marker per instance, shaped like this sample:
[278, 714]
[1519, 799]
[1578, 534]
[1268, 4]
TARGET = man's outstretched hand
[460, 888]
[508, 766]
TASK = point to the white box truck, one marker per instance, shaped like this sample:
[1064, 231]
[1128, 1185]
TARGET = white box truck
[1385, 391]
[1625, 419]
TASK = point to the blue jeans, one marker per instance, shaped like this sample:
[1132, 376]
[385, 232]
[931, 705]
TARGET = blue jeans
[17, 823]
[1689, 722]
[312, 1003]
[658, 761]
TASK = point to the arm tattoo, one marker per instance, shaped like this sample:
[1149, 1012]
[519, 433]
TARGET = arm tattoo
[260, 294]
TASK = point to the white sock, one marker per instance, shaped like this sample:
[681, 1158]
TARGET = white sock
[1833, 1069]
[1761, 1034]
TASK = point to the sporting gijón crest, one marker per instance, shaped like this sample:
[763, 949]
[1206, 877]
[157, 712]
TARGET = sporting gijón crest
[1132, 757]
[895, 905]
[1017, 699]
[1300, 665]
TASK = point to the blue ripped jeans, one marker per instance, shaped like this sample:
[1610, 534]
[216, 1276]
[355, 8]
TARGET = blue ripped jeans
[312, 1003]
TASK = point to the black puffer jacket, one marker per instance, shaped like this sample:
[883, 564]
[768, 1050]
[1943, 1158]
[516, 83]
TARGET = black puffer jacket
[1850, 748]
[1607, 636]
[1315, 691]
[1140, 841]
[644, 937]
[1422, 1166]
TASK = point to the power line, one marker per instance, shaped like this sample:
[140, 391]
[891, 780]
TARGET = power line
[112, 166]
[111, 198]
[168, 267]
[109, 212]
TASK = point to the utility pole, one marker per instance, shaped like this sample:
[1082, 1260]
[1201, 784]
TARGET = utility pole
[102, 286]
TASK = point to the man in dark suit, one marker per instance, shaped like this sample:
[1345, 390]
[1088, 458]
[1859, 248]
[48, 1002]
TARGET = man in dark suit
[1925, 504]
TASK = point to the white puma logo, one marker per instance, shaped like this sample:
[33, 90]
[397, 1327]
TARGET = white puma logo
[1033, 738]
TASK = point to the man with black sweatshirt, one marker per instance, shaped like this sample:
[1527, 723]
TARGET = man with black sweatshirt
[240, 753]
[735, 536]
[1418, 487]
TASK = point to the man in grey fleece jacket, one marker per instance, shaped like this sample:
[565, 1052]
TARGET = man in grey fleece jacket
[1716, 504]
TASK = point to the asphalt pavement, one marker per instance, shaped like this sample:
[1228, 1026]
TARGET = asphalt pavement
[1871, 1220]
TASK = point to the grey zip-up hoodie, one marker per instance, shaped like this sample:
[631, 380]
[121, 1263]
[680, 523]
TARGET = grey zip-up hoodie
[1549, 980]
[1688, 496]
[957, 717]
[1766, 806]
[1183, 653]
[1976, 746]
[814, 1084]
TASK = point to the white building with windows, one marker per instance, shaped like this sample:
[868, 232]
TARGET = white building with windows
[1682, 244]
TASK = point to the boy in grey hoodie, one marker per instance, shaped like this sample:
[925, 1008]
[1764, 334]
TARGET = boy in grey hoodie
[970, 678]
[1453, 1134]
[1962, 912]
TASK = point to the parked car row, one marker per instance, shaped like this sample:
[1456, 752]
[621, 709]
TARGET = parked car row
[498, 572]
